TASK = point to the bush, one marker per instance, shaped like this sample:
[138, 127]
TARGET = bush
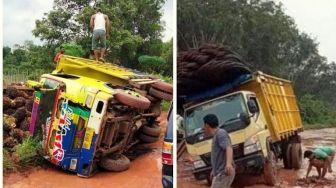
[165, 106]
[27, 152]
[315, 111]
[72, 49]
[152, 64]
[8, 163]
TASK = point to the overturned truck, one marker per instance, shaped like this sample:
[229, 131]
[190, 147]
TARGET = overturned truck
[90, 114]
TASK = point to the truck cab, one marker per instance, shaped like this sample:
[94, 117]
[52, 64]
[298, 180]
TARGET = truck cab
[85, 122]
[238, 113]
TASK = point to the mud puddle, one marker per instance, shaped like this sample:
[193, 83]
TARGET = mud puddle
[286, 178]
[145, 171]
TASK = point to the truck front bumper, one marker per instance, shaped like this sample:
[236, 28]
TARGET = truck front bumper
[249, 164]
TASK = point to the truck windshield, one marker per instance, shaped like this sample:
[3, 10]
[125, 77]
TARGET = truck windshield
[227, 109]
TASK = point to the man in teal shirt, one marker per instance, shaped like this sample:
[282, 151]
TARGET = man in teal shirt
[321, 157]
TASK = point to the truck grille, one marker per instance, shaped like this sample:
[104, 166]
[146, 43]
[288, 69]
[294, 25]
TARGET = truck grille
[238, 152]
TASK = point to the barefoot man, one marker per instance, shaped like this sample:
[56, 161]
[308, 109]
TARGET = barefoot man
[320, 158]
[100, 27]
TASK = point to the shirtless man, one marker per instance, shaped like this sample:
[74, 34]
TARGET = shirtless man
[100, 27]
[321, 158]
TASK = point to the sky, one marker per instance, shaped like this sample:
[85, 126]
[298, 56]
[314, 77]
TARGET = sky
[314, 17]
[318, 19]
[20, 15]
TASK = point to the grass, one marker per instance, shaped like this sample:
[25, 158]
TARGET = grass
[27, 152]
[318, 126]
[165, 106]
[8, 162]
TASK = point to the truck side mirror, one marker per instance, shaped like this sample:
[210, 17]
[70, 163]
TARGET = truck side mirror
[245, 118]
[252, 106]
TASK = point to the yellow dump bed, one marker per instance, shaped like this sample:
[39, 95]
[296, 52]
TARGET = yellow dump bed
[106, 72]
[278, 102]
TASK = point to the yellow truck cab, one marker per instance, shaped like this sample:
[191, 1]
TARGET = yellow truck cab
[263, 122]
[86, 122]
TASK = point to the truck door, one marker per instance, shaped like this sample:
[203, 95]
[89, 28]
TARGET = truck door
[86, 165]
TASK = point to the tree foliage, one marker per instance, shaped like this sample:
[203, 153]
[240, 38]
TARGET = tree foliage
[28, 56]
[72, 49]
[264, 36]
[135, 27]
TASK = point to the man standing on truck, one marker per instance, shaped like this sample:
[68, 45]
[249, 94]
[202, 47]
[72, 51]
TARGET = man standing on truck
[100, 27]
[321, 157]
[223, 171]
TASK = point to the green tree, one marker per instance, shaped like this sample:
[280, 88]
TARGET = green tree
[71, 49]
[269, 41]
[6, 51]
[134, 25]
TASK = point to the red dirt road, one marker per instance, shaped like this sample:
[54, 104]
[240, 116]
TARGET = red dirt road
[286, 178]
[145, 171]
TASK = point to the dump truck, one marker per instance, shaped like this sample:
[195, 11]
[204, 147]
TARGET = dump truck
[86, 122]
[261, 115]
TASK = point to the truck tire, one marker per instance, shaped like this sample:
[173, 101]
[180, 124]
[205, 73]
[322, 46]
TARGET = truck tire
[289, 156]
[148, 139]
[115, 163]
[156, 109]
[296, 157]
[270, 171]
[163, 86]
[285, 159]
[160, 94]
[154, 130]
[136, 101]
[209, 180]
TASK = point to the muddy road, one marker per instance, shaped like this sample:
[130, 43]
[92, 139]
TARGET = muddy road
[145, 171]
[286, 178]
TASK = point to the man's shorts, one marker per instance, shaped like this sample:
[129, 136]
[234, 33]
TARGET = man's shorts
[98, 39]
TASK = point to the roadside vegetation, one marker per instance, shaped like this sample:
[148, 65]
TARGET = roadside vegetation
[22, 155]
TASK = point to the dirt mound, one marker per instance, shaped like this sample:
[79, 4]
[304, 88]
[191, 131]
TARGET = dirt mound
[207, 66]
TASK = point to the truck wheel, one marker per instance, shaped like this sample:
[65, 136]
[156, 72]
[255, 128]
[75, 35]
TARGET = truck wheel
[147, 138]
[285, 159]
[115, 163]
[163, 86]
[270, 171]
[156, 109]
[153, 130]
[209, 180]
[136, 101]
[160, 94]
[296, 156]
[289, 156]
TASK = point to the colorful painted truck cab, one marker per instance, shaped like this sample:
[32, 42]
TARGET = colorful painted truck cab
[84, 122]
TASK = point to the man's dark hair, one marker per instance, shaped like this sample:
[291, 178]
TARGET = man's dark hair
[61, 47]
[211, 120]
[98, 10]
[307, 154]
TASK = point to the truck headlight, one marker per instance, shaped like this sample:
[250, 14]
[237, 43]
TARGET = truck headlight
[199, 164]
[251, 145]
